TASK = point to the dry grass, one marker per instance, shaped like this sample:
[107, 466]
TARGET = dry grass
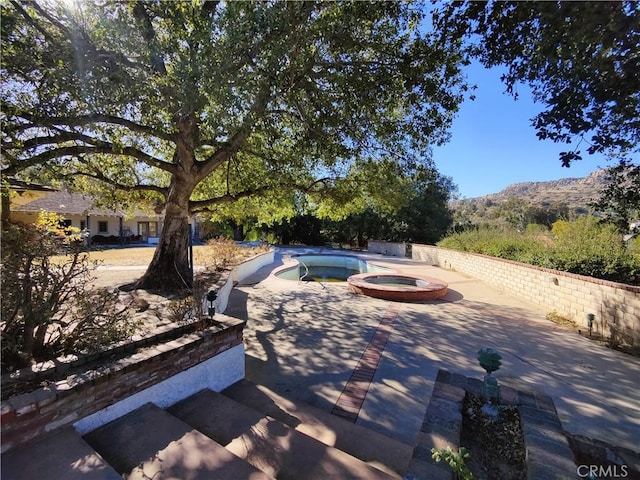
[132, 256]
[563, 321]
[204, 255]
[129, 256]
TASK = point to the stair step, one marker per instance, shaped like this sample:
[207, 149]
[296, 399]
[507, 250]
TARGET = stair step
[61, 455]
[376, 449]
[151, 443]
[268, 444]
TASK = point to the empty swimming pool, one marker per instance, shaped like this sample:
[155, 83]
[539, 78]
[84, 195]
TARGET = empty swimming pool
[327, 268]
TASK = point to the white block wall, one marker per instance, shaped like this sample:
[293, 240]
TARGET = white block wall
[615, 305]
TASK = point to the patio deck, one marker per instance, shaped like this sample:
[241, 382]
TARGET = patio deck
[311, 341]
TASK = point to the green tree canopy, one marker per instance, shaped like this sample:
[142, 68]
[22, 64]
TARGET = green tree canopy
[581, 60]
[153, 98]
[620, 198]
[423, 216]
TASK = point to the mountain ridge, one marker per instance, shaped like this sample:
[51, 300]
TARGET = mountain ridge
[575, 192]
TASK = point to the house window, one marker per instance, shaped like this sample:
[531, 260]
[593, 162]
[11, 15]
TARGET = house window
[83, 224]
[147, 229]
[103, 227]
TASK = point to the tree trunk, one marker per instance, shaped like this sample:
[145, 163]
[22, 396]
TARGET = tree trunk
[238, 231]
[169, 270]
[5, 213]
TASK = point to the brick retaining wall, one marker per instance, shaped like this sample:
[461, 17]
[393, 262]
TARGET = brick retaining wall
[67, 401]
[616, 306]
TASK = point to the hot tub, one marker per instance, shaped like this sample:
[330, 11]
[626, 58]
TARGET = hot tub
[399, 287]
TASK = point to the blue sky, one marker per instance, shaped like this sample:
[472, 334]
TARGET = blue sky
[493, 143]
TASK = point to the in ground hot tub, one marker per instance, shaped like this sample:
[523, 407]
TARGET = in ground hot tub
[397, 286]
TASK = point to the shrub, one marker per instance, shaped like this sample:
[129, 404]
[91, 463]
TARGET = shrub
[585, 246]
[47, 307]
[456, 460]
[190, 306]
[634, 246]
[506, 244]
[94, 321]
[223, 253]
[589, 247]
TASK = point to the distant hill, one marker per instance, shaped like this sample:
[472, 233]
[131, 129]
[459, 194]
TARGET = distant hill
[575, 192]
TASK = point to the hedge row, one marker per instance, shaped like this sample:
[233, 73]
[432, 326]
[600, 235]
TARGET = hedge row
[585, 246]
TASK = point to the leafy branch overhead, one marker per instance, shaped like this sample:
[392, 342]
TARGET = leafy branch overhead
[211, 79]
[173, 99]
[200, 104]
[581, 60]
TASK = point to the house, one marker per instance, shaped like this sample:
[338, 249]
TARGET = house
[103, 225]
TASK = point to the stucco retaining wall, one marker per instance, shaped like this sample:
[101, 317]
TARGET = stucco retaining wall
[240, 272]
[616, 306]
[249, 267]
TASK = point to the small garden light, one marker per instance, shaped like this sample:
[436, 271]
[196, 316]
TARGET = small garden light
[211, 298]
[590, 318]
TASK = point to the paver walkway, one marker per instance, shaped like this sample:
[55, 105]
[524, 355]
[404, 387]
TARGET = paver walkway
[352, 397]
[307, 340]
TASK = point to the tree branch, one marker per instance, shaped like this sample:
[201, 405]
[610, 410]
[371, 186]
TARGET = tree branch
[309, 188]
[203, 205]
[79, 150]
[93, 50]
[30, 20]
[120, 186]
[148, 33]
[83, 120]
[239, 139]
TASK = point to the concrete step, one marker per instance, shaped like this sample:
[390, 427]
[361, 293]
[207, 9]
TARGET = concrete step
[60, 455]
[267, 444]
[376, 449]
[151, 443]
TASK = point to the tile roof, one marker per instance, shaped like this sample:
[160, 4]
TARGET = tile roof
[71, 204]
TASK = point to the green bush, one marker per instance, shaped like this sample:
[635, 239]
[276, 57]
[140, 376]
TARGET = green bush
[511, 245]
[634, 246]
[585, 246]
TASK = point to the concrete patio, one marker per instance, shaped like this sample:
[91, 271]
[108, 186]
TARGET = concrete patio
[306, 340]
[341, 384]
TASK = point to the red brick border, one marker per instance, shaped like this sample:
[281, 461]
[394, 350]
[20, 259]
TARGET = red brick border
[352, 397]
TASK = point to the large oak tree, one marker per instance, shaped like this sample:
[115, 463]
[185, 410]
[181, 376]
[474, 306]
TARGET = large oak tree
[153, 98]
